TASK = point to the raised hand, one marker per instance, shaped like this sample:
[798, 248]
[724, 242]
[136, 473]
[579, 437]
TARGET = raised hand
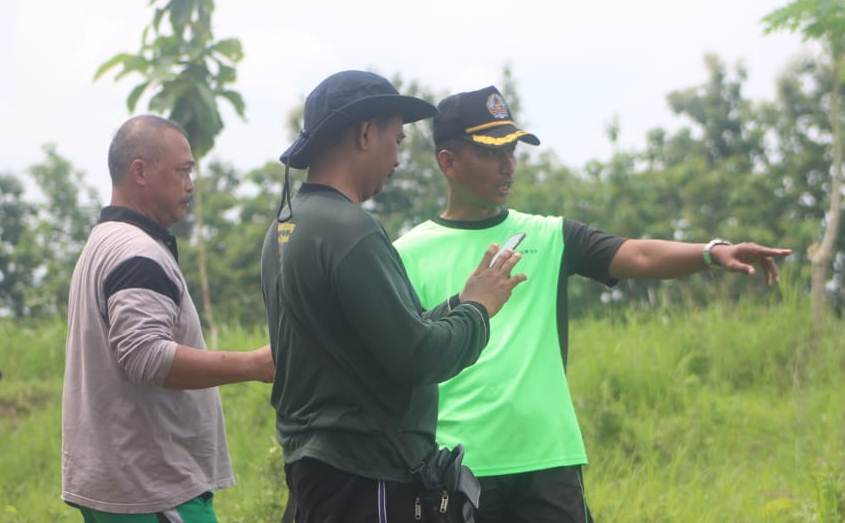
[492, 286]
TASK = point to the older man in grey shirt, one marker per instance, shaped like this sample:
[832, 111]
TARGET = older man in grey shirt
[142, 423]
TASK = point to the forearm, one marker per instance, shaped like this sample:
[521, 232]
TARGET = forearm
[451, 344]
[199, 369]
[659, 259]
[418, 348]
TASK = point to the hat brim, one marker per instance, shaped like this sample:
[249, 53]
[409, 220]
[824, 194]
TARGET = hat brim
[502, 136]
[410, 108]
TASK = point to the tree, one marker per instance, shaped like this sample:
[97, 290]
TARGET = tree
[800, 157]
[16, 265]
[190, 71]
[238, 205]
[822, 21]
[60, 229]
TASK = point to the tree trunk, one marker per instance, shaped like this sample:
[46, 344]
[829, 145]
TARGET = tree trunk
[207, 310]
[821, 255]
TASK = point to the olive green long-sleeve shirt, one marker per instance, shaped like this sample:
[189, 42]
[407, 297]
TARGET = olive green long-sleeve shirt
[350, 338]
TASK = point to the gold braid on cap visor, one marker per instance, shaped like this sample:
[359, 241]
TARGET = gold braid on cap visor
[496, 123]
[501, 140]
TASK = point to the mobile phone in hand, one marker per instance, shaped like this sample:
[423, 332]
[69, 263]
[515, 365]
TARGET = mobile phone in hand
[509, 245]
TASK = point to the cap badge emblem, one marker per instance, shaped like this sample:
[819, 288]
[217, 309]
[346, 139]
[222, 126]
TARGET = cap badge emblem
[497, 106]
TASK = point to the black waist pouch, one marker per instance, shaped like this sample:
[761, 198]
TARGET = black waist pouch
[449, 490]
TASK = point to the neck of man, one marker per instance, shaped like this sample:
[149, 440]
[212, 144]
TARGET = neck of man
[466, 210]
[340, 183]
[339, 175]
[121, 198]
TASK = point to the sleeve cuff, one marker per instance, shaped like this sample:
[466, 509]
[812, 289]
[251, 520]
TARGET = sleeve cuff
[454, 301]
[485, 317]
[168, 354]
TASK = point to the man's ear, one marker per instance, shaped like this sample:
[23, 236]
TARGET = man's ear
[446, 160]
[364, 136]
[136, 174]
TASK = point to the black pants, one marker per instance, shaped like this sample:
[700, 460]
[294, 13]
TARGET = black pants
[324, 494]
[544, 496]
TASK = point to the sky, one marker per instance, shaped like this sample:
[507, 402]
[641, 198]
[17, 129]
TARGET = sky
[577, 65]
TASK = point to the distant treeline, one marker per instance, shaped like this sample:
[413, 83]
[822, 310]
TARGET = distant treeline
[738, 168]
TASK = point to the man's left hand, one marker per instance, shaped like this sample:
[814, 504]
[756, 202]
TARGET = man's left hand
[743, 256]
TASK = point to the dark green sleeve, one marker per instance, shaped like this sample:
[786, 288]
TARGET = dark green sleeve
[380, 304]
[442, 309]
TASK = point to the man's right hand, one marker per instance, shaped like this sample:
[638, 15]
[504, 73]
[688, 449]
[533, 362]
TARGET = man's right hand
[492, 286]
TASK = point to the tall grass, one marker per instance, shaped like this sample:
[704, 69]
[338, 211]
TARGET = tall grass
[732, 413]
[729, 413]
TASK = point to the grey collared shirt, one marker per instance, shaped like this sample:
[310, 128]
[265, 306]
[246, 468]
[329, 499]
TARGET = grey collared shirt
[129, 445]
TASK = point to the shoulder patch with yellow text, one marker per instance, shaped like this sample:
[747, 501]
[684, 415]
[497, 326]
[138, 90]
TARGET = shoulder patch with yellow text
[284, 231]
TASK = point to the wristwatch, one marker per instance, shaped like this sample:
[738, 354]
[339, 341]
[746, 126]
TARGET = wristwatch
[708, 259]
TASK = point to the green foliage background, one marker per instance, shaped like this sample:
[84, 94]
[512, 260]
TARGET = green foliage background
[738, 168]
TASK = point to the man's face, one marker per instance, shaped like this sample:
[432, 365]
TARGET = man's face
[482, 175]
[385, 152]
[169, 185]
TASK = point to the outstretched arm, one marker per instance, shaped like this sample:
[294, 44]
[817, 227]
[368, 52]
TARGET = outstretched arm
[198, 369]
[667, 259]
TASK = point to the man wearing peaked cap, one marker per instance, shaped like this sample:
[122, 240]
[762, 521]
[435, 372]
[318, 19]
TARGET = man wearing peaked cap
[481, 117]
[512, 410]
[357, 358]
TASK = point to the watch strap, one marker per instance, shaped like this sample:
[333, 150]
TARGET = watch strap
[707, 255]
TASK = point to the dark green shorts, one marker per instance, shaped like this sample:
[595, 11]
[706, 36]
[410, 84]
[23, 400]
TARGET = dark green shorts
[197, 510]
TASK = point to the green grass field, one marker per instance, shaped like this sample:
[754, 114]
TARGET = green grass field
[732, 413]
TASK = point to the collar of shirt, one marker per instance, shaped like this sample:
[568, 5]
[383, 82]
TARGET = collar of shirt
[114, 213]
[472, 224]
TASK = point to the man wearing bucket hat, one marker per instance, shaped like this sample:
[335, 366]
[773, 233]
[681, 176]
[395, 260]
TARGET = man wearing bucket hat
[512, 409]
[357, 358]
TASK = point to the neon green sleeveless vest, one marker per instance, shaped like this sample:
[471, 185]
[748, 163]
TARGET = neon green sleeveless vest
[511, 409]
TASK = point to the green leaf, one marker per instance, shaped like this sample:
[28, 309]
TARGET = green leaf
[131, 64]
[157, 17]
[206, 112]
[814, 19]
[230, 48]
[136, 93]
[225, 74]
[236, 100]
[206, 98]
[110, 63]
[180, 15]
[207, 6]
[161, 102]
[789, 17]
[167, 45]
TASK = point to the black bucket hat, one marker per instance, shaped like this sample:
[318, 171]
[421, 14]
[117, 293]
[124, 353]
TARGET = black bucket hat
[481, 117]
[345, 98]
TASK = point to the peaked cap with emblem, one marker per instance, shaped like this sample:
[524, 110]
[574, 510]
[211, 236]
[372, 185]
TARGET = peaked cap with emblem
[481, 117]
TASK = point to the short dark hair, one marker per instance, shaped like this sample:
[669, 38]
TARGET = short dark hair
[138, 137]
